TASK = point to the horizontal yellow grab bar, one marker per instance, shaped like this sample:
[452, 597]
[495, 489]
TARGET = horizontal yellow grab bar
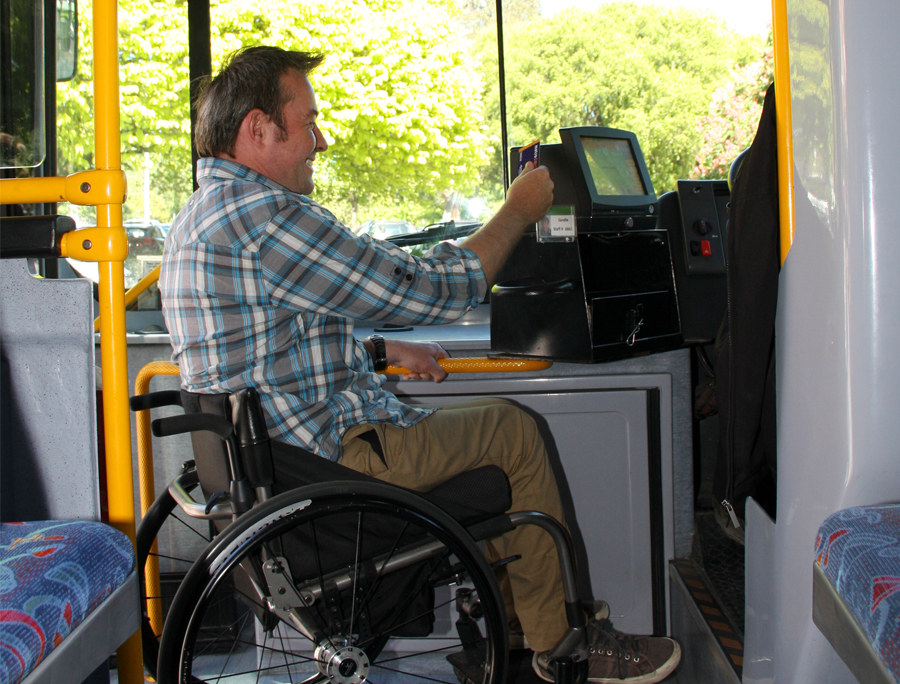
[482, 365]
[92, 187]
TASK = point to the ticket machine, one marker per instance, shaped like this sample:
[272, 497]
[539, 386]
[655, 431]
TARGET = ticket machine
[594, 280]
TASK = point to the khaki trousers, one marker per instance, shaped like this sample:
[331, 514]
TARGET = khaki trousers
[465, 436]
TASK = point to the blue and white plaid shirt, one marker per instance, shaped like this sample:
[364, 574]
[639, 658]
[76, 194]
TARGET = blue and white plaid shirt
[260, 287]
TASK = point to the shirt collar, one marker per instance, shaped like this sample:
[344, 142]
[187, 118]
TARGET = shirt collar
[215, 168]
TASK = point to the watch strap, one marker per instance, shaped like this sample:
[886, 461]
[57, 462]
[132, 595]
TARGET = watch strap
[380, 357]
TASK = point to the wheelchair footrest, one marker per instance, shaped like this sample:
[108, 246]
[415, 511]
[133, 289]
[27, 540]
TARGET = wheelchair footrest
[468, 665]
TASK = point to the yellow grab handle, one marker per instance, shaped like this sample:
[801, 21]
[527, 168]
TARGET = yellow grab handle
[481, 365]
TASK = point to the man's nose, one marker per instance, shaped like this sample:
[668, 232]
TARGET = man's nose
[321, 143]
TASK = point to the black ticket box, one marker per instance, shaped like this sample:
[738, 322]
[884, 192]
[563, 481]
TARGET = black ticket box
[604, 290]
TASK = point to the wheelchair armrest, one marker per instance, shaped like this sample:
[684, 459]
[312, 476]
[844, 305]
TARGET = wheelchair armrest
[192, 422]
[153, 400]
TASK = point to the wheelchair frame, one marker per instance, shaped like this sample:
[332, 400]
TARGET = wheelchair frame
[257, 519]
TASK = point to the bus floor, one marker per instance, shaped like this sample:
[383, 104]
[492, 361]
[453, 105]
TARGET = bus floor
[520, 672]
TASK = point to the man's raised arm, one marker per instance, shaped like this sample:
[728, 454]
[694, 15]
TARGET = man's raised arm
[529, 199]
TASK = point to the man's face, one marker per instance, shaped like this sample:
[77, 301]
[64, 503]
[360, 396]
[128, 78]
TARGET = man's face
[292, 151]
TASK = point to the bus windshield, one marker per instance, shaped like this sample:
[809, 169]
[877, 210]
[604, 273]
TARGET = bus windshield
[410, 97]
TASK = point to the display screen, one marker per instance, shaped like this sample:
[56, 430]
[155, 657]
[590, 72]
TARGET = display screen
[614, 170]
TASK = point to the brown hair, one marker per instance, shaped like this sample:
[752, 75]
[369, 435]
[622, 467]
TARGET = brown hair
[250, 79]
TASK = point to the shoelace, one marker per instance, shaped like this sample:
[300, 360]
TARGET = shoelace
[607, 639]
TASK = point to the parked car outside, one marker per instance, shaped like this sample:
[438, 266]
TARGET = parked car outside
[383, 229]
[144, 236]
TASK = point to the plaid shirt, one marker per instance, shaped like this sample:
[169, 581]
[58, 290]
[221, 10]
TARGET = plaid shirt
[260, 287]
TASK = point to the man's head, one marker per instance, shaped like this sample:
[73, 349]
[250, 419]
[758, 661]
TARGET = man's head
[260, 110]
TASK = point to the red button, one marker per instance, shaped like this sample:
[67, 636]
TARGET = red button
[705, 249]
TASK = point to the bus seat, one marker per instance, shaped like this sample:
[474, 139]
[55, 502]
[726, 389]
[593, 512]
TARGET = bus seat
[48, 445]
[856, 589]
[69, 598]
[735, 167]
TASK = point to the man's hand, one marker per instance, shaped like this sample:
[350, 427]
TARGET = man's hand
[530, 195]
[529, 199]
[418, 357]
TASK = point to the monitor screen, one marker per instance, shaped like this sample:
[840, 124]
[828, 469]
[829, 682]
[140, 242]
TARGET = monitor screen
[613, 168]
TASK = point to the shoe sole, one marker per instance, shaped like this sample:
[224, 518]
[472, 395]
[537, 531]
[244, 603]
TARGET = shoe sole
[664, 671]
[538, 670]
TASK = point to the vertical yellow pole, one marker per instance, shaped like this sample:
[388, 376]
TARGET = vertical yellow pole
[113, 349]
[784, 125]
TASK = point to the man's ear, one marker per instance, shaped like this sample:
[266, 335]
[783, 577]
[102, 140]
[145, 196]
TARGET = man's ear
[254, 127]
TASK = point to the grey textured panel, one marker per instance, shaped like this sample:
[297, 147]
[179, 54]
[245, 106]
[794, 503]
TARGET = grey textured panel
[837, 623]
[48, 459]
[94, 640]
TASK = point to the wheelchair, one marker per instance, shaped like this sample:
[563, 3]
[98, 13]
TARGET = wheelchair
[337, 580]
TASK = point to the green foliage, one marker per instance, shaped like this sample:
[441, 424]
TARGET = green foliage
[733, 117]
[399, 97]
[409, 106]
[636, 67]
[153, 91]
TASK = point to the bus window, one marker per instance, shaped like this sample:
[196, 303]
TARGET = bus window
[66, 39]
[411, 102]
[22, 134]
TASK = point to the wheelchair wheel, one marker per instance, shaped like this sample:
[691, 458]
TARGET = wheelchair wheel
[167, 544]
[340, 583]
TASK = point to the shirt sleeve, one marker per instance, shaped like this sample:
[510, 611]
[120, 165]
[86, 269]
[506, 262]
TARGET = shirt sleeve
[312, 262]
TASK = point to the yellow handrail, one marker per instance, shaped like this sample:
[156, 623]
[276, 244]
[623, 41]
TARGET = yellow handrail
[147, 485]
[481, 365]
[142, 286]
[113, 346]
[783, 125]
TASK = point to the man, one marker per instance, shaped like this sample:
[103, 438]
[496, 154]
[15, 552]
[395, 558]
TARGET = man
[260, 287]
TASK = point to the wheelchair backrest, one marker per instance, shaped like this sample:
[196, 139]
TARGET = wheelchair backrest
[244, 411]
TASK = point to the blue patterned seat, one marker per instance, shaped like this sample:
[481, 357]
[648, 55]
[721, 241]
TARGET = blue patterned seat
[53, 576]
[857, 568]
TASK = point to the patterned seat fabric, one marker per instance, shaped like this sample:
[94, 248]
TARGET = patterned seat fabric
[53, 574]
[858, 549]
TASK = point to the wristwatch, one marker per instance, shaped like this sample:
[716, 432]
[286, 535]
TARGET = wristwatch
[380, 357]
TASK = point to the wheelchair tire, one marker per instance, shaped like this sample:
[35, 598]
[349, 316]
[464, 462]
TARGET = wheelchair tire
[341, 618]
[164, 520]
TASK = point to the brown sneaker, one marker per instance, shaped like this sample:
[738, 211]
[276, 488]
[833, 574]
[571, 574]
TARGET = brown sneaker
[617, 657]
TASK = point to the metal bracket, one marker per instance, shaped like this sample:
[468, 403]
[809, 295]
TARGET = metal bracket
[283, 597]
[97, 187]
[95, 244]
